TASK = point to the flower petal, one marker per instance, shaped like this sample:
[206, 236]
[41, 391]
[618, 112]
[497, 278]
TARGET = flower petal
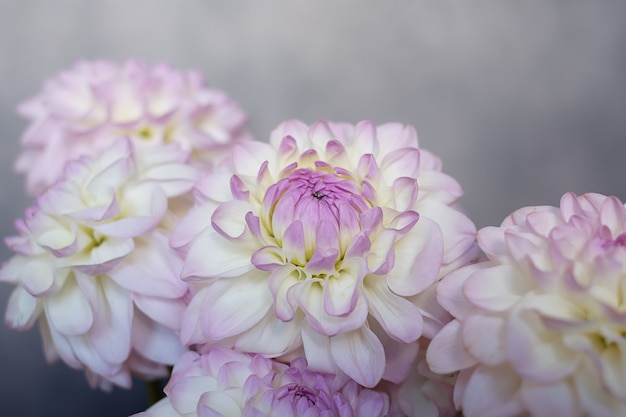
[235, 305]
[360, 355]
[399, 317]
[446, 352]
[22, 310]
[69, 310]
[421, 252]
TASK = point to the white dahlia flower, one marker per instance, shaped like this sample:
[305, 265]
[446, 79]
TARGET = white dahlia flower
[540, 326]
[84, 109]
[226, 383]
[322, 243]
[93, 264]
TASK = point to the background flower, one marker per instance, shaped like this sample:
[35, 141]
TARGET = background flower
[228, 383]
[93, 264]
[323, 243]
[84, 109]
[540, 325]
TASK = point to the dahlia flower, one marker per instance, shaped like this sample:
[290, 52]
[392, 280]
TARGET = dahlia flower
[540, 326]
[84, 109]
[228, 383]
[321, 243]
[93, 264]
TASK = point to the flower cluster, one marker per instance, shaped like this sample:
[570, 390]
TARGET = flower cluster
[83, 110]
[540, 325]
[93, 261]
[228, 383]
[325, 272]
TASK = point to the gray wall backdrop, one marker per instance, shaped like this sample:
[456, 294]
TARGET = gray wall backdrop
[523, 100]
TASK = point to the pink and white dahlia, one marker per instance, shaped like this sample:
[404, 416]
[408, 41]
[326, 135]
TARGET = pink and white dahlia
[540, 327]
[228, 383]
[322, 243]
[86, 108]
[93, 264]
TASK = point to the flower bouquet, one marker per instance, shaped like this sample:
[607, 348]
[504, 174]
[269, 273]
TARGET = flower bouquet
[324, 270]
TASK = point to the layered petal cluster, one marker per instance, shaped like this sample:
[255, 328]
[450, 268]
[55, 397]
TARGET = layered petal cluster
[540, 326]
[93, 264]
[323, 242]
[224, 383]
[87, 107]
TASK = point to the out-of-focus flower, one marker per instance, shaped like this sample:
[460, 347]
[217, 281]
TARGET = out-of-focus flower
[423, 393]
[228, 383]
[83, 110]
[322, 243]
[93, 264]
[540, 326]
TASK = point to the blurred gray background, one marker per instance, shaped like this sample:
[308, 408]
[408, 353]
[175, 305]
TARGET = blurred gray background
[523, 100]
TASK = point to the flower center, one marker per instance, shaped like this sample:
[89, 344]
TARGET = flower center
[326, 202]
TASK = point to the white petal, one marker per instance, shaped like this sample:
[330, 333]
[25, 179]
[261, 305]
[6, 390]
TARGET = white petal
[446, 353]
[36, 273]
[229, 218]
[218, 404]
[418, 259]
[69, 311]
[496, 288]
[399, 317]
[212, 255]
[360, 355]
[236, 304]
[317, 350]
[450, 294]
[152, 269]
[22, 310]
[167, 311]
[111, 332]
[484, 338]
[342, 292]
[250, 155]
[458, 231]
[311, 300]
[271, 337]
[103, 257]
[195, 222]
